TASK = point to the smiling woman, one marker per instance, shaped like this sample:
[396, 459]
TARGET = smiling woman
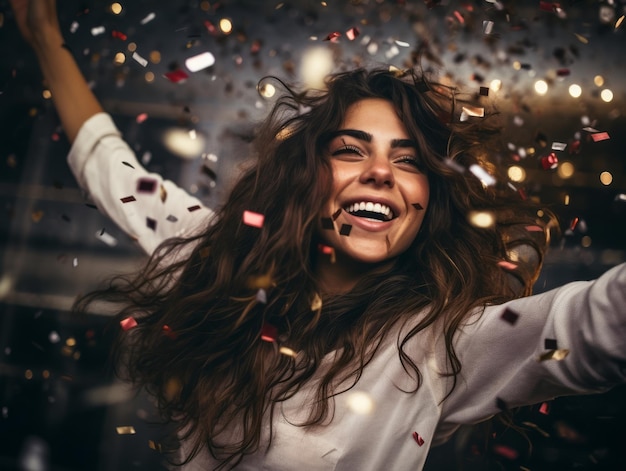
[346, 262]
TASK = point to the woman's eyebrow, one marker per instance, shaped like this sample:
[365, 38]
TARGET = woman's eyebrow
[367, 137]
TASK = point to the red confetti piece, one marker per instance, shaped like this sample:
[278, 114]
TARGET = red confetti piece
[167, 330]
[459, 17]
[269, 333]
[333, 37]
[600, 136]
[507, 265]
[534, 228]
[574, 223]
[210, 27]
[353, 33]
[506, 451]
[549, 161]
[563, 72]
[510, 316]
[196, 207]
[128, 323]
[176, 76]
[544, 408]
[141, 117]
[128, 199]
[119, 35]
[574, 148]
[250, 218]
[419, 440]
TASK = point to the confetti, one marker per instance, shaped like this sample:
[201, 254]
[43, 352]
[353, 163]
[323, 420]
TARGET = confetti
[419, 440]
[287, 351]
[167, 330]
[140, 60]
[128, 165]
[200, 61]
[333, 36]
[125, 430]
[141, 117]
[600, 136]
[482, 175]
[534, 228]
[327, 250]
[128, 323]
[119, 35]
[193, 208]
[149, 17]
[176, 76]
[487, 27]
[146, 185]
[505, 451]
[558, 354]
[353, 33]
[550, 161]
[509, 316]
[250, 218]
[327, 223]
[261, 296]
[559, 146]
[336, 214]
[484, 91]
[151, 223]
[345, 229]
[97, 30]
[544, 408]
[507, 265]
[155, 446]
[106, 238]
[316, 303]
[550, 344]
[269, 333]
[172, 218]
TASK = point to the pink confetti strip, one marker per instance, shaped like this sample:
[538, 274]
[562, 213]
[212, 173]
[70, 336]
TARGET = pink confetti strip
[534, 228]
[507, 265]
[128, 323]
[544, 408]
[505, 451]
[600, 136]
[250, 218]
[352, 33]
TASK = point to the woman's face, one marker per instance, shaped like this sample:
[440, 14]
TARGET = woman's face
[380, 188]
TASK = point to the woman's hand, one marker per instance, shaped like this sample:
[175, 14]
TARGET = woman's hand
[36, 19]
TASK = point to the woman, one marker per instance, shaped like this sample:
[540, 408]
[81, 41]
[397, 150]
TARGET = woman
[343, 269]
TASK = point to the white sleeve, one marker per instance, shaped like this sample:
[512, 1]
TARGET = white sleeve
[501, 350]
[147, 207]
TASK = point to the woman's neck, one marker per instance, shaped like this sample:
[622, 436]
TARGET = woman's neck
[341, 274]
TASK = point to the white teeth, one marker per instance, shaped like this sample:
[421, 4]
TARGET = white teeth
[370, 206]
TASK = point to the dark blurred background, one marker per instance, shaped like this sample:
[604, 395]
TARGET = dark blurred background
[60, 406]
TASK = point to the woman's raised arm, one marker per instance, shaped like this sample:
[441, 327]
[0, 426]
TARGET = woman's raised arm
[39, 25]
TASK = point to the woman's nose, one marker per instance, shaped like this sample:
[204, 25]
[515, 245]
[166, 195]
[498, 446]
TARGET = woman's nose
[378, 171]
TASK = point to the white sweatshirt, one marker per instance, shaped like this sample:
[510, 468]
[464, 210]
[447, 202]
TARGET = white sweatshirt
[499, 348]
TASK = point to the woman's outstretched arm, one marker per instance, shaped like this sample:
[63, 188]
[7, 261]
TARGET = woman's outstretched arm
[39, 25]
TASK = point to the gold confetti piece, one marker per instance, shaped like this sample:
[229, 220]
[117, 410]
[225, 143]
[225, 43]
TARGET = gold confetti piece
[287, 351]
[155, 446]
[125, 430]
[260, 282]
[557, 355]
[36, 215]
[316, 304]
[581, 38]
[172, 388]
[619, 22]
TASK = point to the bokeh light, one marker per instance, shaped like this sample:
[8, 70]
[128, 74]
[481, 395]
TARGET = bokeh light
[541, 87]
[575, 91]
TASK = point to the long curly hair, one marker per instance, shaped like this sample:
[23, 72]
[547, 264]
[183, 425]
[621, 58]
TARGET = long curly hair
[203, 303]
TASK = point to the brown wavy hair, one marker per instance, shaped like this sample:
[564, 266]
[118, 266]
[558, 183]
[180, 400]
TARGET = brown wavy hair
[197, 346]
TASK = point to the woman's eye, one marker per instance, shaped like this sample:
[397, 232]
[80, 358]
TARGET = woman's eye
[410, 160]
[348, 149]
